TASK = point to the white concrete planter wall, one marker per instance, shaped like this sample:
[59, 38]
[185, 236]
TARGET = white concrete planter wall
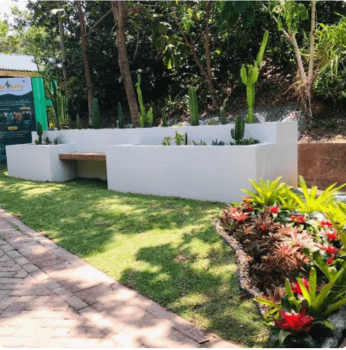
[97, 140]
[215, 173]
[137, 163]
[40, 162]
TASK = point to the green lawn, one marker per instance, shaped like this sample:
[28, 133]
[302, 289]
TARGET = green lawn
[165, 248]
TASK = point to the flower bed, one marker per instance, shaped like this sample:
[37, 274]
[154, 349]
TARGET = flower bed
[292, 258]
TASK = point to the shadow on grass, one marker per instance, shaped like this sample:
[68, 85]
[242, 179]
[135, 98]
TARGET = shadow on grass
[192, 274]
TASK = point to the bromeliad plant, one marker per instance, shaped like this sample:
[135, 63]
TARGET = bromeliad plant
[268, 192]
[311, 202]
[305, 306]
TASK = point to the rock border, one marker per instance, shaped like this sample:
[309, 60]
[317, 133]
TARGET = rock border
[244, 279]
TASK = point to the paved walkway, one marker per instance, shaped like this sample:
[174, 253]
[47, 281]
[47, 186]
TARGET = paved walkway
[51, 298]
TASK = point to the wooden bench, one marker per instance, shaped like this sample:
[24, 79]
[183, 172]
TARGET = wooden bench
[83, 156]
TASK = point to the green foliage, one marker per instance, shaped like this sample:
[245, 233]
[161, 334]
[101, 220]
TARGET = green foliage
[193, 106]
[145, 119]
[223, 112]
[247, 142]
[239, 129]
[200, 143]
[291, 12]
[310, 201]
[39, 133]
[249, 77]
[216, 143]
[164, 119]
[120, 117]
[267, 192]
[330, 59]
[96, 113]
[180, 139]
[166, 141]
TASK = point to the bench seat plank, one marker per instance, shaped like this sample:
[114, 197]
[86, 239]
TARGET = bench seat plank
[83, 156]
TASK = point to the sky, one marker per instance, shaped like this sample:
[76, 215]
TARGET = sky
[5, 6]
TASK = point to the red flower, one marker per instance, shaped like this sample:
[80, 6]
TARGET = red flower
[275, 210]
[295, 322]
[326, 223]
[296, 287]
[249, 208]
[332, 250]
[330, 260]
[333, 236]
[264, 227]
[299, 219]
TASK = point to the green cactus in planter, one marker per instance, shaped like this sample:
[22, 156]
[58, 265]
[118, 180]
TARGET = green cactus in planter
[145, 119]
[79, 124]
[164, 119]
[249, 77]
[223, 112]
[120, 117]
[39, 133]
[193, 106]
[239, 128]
[96, 113]
[57, 105]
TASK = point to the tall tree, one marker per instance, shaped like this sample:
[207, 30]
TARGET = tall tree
[120, 15]
[84, 43]
[292, 14]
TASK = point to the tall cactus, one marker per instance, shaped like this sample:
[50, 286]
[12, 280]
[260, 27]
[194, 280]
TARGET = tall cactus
[120, 117]
[96, 113]
[239, 128]
[145, 119]
[164, 119]
[193, 106]
[39, 133]
[223, 112]
[56, 102]
[59, 103]
[249, 77]
[79, 124]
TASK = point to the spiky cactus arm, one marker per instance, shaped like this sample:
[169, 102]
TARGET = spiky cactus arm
[223, 112]
[193, 106]
[239, 127]
[39, 133]
[120, 116]
[164, 119]
[143, 114]
[96, 113]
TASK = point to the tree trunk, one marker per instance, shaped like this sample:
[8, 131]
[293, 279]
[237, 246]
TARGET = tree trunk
[208, 61]
[63, 51]
[119, 13]
[311, 58]
[84, 45]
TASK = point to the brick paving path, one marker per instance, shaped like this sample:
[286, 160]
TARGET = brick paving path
[51, 298]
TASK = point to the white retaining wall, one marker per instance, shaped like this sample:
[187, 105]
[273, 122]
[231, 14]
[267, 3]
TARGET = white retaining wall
[97, 140]
[40, 162]
[137, 162]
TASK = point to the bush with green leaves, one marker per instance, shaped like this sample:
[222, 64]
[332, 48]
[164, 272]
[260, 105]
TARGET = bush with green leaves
[268, 192]
[310, 201]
